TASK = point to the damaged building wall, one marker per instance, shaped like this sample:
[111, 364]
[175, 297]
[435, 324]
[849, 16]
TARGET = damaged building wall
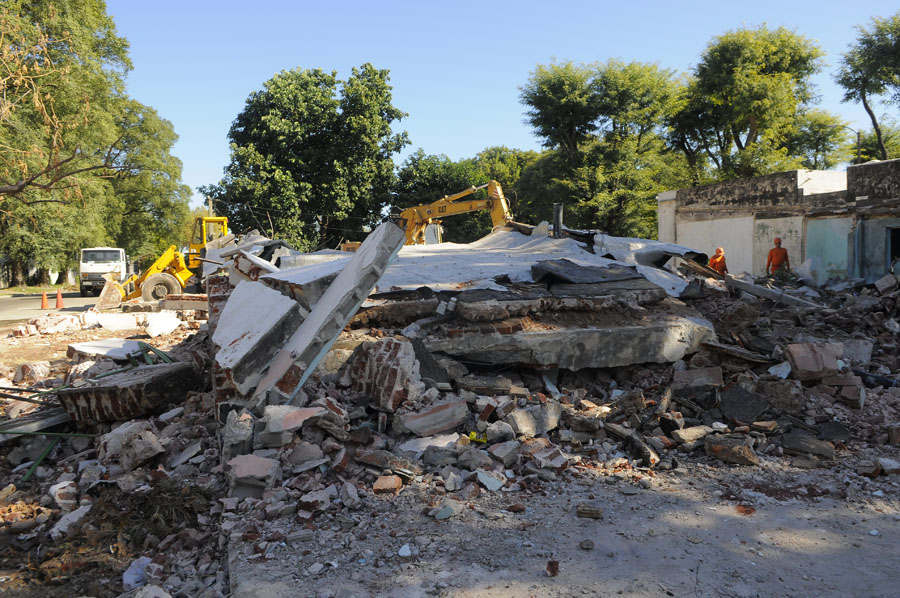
[843, 223]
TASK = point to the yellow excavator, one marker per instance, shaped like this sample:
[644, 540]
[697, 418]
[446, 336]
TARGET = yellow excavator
[417, 218]
[169, 274]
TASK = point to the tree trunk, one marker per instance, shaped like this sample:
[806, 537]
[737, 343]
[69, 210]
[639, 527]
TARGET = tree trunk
[881, 148]
[17, 278]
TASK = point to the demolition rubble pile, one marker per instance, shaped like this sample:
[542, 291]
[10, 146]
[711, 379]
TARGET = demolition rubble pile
[453, 375]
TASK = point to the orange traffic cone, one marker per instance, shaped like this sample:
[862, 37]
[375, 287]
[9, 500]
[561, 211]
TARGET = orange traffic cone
[59, 303]
[44, 304]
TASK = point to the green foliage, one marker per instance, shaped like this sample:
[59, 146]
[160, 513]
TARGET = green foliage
[871, 68]
[818, 140]
[871, 143]
[563, 106]
[609, 176]
[741, 106]
[311, 157]
[81, 163]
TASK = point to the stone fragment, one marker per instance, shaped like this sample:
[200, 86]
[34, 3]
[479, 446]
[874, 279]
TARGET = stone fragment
[387, 484]
[250, 475]
[534, 419]
[113, 321]
[857, 351]
[287, 418]
[889, 466]
[834, 432]
[586, 545]
[473, 458]
[32, 372]
[318, 500]
[869, 469]
[184, 456]
[163, 322]
[489, 480]
[797, 442]
[589, 510]
[813, 361]
[65, 495]
[506, 453]
[499, 431]
[731, 448]
[151, 591]
[708, 377]
[893, 431]
[886, 283]
[237, 435]
[68, 521]
[129, 445]
[691, 434]
[435, 419]
[449, 508]
[135, 575]
[740, 406]
[783, 395]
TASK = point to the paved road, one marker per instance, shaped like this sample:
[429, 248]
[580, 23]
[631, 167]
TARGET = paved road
[25, 307]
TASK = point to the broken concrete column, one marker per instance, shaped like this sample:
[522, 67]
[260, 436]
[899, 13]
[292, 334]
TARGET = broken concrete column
[254, 324]
[130, 394]
[218, 290]
[303, 351]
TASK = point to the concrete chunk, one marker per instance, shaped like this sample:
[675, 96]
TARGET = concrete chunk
[131, 394]
[812, 361]
[387, 370]
[303, 351]
[731, 448]
[691, 434]
[534, 419]
[435, 419]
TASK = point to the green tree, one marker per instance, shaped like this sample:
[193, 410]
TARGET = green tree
[871, 68]
[609, 177]
[818, 140]
[562, 106]
[741, 104]
[872, 143]
[81, 163]
[311, 157]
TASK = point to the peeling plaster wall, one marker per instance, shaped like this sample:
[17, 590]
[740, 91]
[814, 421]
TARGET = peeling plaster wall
[735, 235]
[875, 180]
[764, 232]
[829, 243]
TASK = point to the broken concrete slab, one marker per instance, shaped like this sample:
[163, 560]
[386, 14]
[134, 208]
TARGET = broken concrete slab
[113, 321]
[162, 322]
[576, 341]
[110, 348]
[506, 453]
[783, 395]
[250, 475]
[691, 434]
[130, 445]
[434, 419]
[254, 323]
[130, 394]
[812, 361]
[185, 302]
[886, 284]
[708, 377]
[534, 420]
[798, 442]
[308, 283]
[301, 354]
[286, 418]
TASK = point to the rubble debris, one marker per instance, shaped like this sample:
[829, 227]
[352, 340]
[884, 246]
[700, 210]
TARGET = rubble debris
[810, 361]
[129, 394]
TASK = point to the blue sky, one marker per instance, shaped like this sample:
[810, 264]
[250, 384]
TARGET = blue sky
[455, 67]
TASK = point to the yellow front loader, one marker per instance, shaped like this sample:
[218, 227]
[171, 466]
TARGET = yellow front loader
[417, 218]
[168, 275]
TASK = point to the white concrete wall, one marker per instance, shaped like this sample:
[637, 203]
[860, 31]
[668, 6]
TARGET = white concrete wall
[821, 181]
[665, 213]
[735, 235]
[764, 232]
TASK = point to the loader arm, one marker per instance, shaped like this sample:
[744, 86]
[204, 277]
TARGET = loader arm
[171, 262]
[417, 218]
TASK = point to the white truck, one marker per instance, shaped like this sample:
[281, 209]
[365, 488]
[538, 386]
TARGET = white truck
[97, 261]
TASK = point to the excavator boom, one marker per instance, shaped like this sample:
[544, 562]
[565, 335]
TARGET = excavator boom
[417, 218]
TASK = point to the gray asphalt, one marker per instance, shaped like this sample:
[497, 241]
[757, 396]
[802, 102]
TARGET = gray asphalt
[25, 307]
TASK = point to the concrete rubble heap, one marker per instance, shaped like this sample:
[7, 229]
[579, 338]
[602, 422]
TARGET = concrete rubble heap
[461, 381]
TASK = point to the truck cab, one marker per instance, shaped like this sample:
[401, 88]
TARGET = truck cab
[97, 261]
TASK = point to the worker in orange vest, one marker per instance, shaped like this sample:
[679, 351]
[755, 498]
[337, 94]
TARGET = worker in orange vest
[778, 259]
[717, 262]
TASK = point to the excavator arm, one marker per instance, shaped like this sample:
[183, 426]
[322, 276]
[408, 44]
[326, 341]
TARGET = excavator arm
[417, 218]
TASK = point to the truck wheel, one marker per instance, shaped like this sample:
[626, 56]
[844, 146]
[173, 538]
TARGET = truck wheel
[83, 292]
[158, 286]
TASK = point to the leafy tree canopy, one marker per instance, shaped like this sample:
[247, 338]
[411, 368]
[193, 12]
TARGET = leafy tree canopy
[311, 157]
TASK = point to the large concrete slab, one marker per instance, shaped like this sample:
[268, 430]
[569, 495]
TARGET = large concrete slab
[579, 341]
[255, 322]
[298, 358]
[306, 284]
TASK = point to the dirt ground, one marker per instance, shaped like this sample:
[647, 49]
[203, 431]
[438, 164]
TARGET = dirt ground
[699, 530]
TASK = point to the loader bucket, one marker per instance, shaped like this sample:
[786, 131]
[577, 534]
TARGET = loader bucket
[111, 295]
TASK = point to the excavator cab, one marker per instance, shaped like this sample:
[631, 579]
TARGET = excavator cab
[206, 229]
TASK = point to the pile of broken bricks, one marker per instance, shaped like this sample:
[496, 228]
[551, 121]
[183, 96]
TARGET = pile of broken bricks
[333, 388]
